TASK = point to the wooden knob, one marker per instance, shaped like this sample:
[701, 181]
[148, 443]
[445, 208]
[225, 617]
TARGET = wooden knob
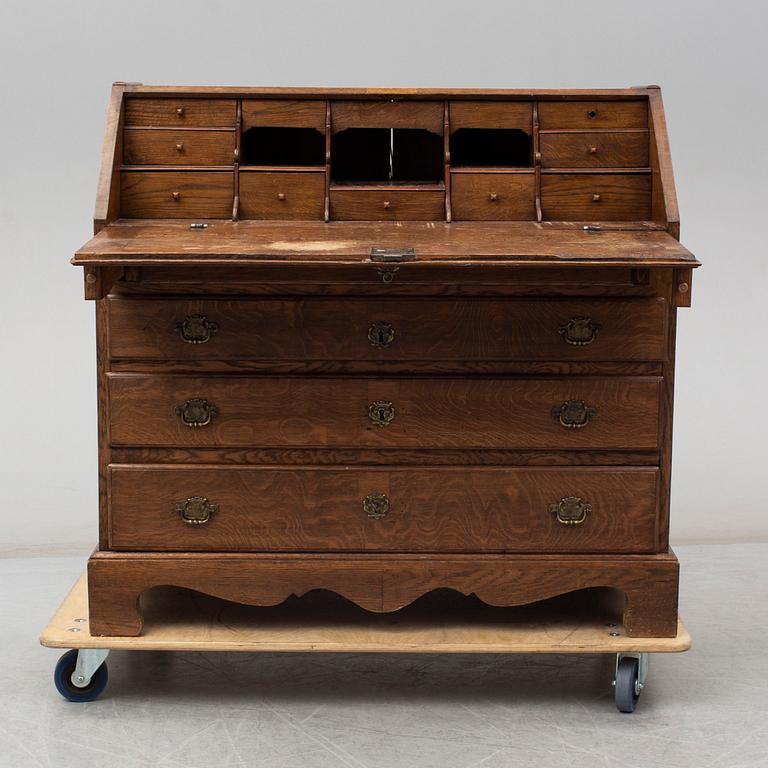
[493, 197]
[592, 150]
[281, 195]
[595, 198]
[179, 147]
[180, 111]
[683, 287]
[176, 195]
[386, 203]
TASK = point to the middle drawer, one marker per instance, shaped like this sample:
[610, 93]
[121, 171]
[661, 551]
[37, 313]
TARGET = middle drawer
[238, 411]
[388, 329]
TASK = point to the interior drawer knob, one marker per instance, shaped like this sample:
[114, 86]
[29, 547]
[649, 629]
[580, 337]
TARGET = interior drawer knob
[196, 329]
[387, 204]
[176, 196]
[180, 111]
[376, 505]
[196, 412]
[571, 510]
[579, 331]
[381, 413]
[574, 414]
[179, 147]
[381, 334]
[196, 510]
[493, 197]
[281, 195]
[592, 150]
[596, 197]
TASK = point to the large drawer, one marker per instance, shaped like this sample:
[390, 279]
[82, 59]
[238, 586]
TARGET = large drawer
[240, 411]
[455, 509]
[388, 329]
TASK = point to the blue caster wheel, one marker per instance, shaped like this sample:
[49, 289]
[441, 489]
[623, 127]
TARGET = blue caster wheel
[627, 684]
[62, 677]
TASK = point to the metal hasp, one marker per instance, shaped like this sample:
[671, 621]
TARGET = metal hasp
[88, 661]
[393, 254]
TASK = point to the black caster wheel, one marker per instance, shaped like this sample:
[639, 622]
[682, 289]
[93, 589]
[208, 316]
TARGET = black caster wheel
[626, 686]
[62, 677]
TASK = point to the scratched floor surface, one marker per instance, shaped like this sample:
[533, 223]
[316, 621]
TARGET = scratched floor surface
[707, 708]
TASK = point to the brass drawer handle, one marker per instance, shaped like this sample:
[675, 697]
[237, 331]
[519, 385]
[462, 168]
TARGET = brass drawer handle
[381, 413]
[196, 510]
[579, 331]
[574, 414]
[571, 510]
[381, 334]
[376, 505]
[196, 412]
[196, 329]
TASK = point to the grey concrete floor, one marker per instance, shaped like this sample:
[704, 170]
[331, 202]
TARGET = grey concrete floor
[706, 708]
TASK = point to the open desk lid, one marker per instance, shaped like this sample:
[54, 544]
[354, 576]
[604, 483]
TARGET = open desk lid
[154, 243]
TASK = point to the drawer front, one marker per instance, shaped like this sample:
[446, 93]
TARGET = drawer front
[283, 113]
[493, 196]
[224, 411]
[492, 114]
[556, 115]
[595, 197]
[282, 195]
[176, 194]
[387, 329]
[594, 149]
[144, 146]
[431, 510]
[181, 113]
[428, 115]
[387, 204]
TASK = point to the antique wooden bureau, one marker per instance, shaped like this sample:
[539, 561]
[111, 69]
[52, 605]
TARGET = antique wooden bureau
[381, 342]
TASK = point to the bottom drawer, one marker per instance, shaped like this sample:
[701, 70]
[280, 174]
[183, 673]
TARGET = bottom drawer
[452, 509]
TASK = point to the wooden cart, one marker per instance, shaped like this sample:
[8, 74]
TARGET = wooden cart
[178, 620]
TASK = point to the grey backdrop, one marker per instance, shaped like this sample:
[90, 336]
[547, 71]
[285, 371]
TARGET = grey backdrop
[58, 60]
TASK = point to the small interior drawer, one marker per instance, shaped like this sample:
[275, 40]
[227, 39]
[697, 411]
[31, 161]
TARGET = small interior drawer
[283, 113]
[493, 196]
[594, 149]
[427, 115]
[596, 196]
[145, 146]
[282, 195]
[198, 113]
[176, 194]
[491, 114]
[387, 203]
[555, 115]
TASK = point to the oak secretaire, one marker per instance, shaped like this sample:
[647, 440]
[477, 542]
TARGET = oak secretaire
[381, 342]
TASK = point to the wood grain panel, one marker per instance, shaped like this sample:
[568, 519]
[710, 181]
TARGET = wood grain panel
[283, 113]
[556, 115]
[596, 197]
[431, 510]
[143, 146]
[387, 204]
[429, 413]
[491, 114]
[424, 330]
[594, 149]
[282, 195]
[493, 196]
[180, 112]
[176, 194]
[387, 114]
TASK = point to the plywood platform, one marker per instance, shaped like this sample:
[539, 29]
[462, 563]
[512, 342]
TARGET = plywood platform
[441, 622]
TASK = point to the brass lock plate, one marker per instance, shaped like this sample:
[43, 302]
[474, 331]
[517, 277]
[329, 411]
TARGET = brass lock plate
[393, 254]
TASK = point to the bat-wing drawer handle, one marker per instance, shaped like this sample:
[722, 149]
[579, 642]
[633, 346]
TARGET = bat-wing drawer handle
[196, 412]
